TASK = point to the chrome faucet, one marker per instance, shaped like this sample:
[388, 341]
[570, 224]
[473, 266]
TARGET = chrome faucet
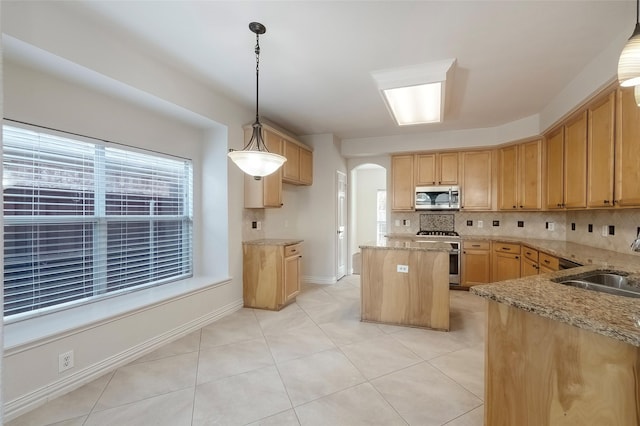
[635, 245]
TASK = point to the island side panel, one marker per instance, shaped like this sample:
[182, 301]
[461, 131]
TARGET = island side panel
[417, 298]
[541, 372]
[261, 274]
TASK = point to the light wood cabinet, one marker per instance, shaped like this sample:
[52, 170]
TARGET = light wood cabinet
[505, 261]
[566, 164]
[529, 262]
[476, 183]
[600, 151]
[267, 191]
[548, 263]
[627, 171]
[476, 263]
[418, 298]
[541, 371]
[402, 183]
[298, 169]
[271, 274]
[520, 186]
[437, 169]
[306, 166]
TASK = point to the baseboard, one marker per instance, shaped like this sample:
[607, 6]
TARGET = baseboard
[311, 279]
[32, 400]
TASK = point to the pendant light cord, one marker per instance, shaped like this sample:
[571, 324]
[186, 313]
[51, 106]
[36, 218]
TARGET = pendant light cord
[257, 50]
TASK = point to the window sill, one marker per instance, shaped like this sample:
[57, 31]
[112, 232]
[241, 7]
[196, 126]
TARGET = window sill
[34, 331]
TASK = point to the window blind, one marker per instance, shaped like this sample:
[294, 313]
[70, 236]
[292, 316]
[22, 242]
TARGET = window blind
[85, 220]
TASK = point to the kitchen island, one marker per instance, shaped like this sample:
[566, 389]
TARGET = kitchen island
[406, 283]
[559, 355]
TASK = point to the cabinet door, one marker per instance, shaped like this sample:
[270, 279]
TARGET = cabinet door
[530, 175]
[273, 183]
[508, 178]
[426, 169]
[554, 169]
[306, 166]
[404, 191]
[447, 166]
[528, 267]
[575, 162]
[627, 150]
[476, 180]
[291, 167]
[291, 285]
[600, 146]
[476, 267]
[506, 266]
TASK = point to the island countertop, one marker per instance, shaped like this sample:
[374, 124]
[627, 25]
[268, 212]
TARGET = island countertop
[273, 242]
[405, 244]
[609, 315]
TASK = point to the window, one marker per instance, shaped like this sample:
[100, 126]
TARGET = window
[85, 220]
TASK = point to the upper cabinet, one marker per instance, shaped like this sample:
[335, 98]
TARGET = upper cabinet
[403, 189]
[298, 170]
[566, 164]
[476, 180]
[600, 150]
[520, 176]
[627, 150]
[437, 169]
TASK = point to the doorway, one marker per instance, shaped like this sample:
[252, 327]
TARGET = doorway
[368, 208]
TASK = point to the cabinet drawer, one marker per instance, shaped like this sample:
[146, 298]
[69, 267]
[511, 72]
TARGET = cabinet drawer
[506, 247]
[549, 262]
[530, 253]
[476, 245]
[293, 250]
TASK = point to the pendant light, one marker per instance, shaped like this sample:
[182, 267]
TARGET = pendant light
[255, 159]
[629, 62]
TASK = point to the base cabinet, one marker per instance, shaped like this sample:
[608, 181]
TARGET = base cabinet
[476, 263]
[541, 372]
[506, 261]
[271, 274]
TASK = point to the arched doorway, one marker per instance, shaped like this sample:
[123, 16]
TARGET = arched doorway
[368, 208]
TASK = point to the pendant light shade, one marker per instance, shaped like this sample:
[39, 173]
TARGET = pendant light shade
[629, 62]
[255, 159]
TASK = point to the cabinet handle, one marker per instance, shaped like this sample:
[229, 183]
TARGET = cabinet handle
[506, 248]
[528, 253]
[475, 245]
[546, 261]
[522, 207]
[517, 257]
[464, 252]
[514, 207]
[606, 201]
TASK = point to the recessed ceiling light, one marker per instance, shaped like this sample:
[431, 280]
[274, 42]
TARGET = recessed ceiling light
[415, 94]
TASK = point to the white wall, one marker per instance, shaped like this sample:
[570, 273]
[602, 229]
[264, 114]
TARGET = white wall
[317, 222]
[144, 103]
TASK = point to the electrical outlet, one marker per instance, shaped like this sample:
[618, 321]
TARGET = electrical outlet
[258, 225]
[397, 222]
[480, 224]
[406, 222]
[403, 268]
[605, 230]
[551, 226]
[254, 225]
[65, 361]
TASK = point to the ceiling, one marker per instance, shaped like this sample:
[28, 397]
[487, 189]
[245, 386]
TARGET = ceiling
[513, 57]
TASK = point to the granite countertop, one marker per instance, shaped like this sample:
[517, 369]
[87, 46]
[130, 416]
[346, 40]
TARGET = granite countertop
[617, 317]
[405, 244]
[613, 316]
[273, 242]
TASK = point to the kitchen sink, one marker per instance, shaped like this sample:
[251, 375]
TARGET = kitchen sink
[603, 282]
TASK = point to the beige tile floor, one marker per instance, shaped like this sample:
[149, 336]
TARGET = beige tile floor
[313, 363]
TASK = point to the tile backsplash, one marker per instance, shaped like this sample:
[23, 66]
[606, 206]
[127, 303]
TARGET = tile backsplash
[571, 226]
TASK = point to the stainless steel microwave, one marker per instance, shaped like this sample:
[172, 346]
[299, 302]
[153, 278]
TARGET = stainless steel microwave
[437, 198]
